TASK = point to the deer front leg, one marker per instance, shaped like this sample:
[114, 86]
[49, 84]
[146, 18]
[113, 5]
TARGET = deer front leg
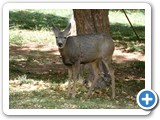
[74, 86]
[69, 81]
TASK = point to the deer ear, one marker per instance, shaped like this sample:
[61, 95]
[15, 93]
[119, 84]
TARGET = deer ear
[66, 31]
[55, 29]
[68, 34]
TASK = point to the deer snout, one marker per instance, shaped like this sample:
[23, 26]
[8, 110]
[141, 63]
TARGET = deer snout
[59, 44]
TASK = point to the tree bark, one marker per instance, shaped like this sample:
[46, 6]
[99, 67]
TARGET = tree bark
[90, 21]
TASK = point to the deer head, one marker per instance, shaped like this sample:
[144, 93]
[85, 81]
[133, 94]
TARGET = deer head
[61, 36]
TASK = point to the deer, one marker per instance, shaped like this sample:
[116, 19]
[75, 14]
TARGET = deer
[85, 49]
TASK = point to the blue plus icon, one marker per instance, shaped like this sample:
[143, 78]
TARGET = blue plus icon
[147, 99]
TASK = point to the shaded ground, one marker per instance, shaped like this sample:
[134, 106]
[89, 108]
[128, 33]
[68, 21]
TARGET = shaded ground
[45, 59]
[33, 67]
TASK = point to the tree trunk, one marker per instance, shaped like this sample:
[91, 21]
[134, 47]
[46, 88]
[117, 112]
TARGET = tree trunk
[90, 21]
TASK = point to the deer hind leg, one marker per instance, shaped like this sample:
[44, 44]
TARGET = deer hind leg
[111, 72]
[96, 72]
[80, 75]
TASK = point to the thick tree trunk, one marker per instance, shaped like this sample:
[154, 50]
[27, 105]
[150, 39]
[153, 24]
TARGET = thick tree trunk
[90, 21]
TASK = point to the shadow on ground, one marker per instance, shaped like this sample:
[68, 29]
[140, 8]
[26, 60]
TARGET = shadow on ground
[45, 64]
[34, 20]
[126, 33]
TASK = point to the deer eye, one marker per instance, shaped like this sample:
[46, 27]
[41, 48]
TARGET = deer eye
[56, 37]
[65, 37]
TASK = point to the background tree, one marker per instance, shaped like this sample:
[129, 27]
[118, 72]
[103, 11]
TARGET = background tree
[90, 21]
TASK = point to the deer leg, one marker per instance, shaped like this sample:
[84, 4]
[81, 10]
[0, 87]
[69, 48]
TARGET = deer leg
[69, 80]
[76, 70]
[96, 72]
[111, 72]
[81, 72]
[74, 84]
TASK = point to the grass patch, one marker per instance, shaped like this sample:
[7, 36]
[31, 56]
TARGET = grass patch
[139, 64]
[15, 38]
[118, 17]
[23, 22]
[131, 46]
[38, 89]
[23, 80]
[136, 47]
[120, 27]
[38, 19]
[43, 95]
[20, 37]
